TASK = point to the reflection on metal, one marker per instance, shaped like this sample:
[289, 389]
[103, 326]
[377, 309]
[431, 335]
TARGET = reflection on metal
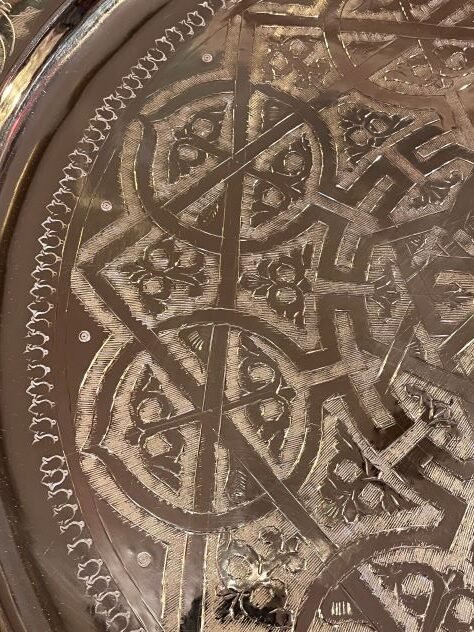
[7, 33]
[250, 316]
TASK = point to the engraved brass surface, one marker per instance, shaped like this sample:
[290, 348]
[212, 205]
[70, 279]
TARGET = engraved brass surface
[237, 335]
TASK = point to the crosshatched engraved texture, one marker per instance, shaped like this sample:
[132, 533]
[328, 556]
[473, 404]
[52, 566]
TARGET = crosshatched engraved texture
[271, 250]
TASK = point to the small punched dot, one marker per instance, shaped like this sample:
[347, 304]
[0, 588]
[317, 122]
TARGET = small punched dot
[85, 336]
[144, 559]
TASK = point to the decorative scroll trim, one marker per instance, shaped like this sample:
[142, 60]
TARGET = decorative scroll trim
[44, 426]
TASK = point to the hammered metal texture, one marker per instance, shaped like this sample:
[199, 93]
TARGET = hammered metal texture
[248, 318]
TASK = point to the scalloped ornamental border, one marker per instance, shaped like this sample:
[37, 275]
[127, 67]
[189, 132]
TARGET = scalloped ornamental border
[108, 602]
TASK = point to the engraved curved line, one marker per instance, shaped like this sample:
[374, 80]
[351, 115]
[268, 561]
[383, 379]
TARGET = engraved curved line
[414, 30]
[253, 323]
[338, 571]
[303, 360]
[192, 521]
[238, 162]
[195, 93]
[60, 207]
[160, 214]
[314, 121]
[360, 81]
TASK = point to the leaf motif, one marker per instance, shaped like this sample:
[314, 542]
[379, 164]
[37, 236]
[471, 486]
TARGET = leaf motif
[167, 466]
[154, 304]
[350, 512]
[147, 384]
[273, 537]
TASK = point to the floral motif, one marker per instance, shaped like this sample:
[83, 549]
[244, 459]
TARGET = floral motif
[271, 415]
[455, 59]
[452, 60]
[296, 55]
[160, 270]
[195, 142]
[386, 293]
[436, 191]
[149, 409]
[365, 130]
[249, 588]
[283, 283]
[436, 413]
[354, 487]
[424, 591]
[285, 182]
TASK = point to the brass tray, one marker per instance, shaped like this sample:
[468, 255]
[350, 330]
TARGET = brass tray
[237, 315]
